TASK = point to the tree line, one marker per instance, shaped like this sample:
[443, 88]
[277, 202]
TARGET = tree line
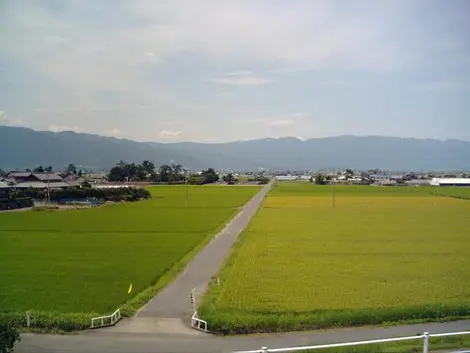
[166, 173]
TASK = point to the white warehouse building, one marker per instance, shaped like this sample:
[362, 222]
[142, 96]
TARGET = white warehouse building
[450, 182]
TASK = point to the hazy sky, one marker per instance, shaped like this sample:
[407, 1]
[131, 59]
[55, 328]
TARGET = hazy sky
[203, 70]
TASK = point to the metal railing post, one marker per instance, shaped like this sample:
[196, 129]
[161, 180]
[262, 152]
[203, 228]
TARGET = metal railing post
[426, 342]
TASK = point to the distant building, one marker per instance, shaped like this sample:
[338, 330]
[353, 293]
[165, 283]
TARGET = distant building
[418, 182]
[43, 180]
[450, 182]
[286, 177]
[4, 190]
[380, 177]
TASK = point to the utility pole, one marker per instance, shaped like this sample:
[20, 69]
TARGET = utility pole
[334, 190]
[185, 187]
[48, 188]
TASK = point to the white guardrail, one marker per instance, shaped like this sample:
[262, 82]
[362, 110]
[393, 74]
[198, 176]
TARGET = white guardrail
[198, 324]
[107, 320]
[425, 337]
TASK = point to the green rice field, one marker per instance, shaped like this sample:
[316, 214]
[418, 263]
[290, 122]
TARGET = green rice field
[381, 255]
[84, 260]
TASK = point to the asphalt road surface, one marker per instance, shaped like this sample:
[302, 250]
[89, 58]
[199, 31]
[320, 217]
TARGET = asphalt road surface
[114, 342]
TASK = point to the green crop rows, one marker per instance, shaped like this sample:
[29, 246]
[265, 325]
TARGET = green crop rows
[83, 261]
[381, 255]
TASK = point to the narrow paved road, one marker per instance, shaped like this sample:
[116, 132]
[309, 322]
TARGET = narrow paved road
[173, 301]
[113, 342]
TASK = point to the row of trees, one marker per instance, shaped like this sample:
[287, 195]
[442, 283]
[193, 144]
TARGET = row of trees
[73, 194]
[167, 173]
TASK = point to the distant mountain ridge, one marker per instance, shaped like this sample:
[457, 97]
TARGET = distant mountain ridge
[22, 148]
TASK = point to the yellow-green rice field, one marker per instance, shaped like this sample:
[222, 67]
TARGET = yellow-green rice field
[381, 255]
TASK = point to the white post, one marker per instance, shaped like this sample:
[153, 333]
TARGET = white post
[264, 350]
[28, 319]
[426, 342]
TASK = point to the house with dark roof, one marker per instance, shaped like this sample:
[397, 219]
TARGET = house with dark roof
[18, 177]
[21, 177]
[4, 190]
[74, 180]
[43, 180]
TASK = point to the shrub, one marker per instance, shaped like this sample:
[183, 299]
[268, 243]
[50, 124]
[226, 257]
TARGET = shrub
[48, 320]
[15, 203]
[118, 194]
[9, 335]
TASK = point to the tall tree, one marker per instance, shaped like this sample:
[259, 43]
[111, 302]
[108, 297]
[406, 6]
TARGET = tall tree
[70, 170]
[165, 172]
[177, 168]
[148, 167]
[39, 169]
[210, 176]
[229, 179]
[117, 173]
[320, 179]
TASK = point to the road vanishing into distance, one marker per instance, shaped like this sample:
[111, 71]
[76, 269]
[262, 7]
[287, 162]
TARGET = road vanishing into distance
[163, 324]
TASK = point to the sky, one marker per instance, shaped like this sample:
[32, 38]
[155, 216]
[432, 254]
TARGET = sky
[220, 70]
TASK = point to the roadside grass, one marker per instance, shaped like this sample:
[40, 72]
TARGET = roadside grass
[303, 264]
[69, 266]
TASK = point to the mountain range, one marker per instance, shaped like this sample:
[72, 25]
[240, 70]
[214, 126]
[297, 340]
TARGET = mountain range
[22, 148]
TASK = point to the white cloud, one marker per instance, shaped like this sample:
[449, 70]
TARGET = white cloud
[240, 73]
[277, 121]
[115, 132]
[280, 122]
[241, 79]
[90, 64]
[274, 122]
[59, 128]
[7, 121]
[152, 58]
[169, 134]
[93, 53]
[225, 94]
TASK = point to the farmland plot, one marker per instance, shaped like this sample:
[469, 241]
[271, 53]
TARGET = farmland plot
[383, 254]
[85, 260]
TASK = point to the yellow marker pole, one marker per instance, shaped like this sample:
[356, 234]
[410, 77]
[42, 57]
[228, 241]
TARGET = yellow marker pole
[130, 289]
